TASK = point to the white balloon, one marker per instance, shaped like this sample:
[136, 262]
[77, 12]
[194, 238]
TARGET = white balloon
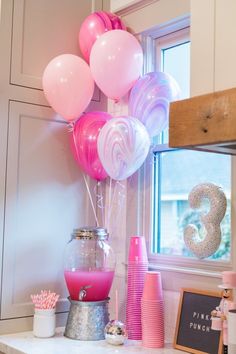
[123, 145]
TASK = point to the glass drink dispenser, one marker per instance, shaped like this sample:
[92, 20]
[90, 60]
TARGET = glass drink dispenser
[89, 264]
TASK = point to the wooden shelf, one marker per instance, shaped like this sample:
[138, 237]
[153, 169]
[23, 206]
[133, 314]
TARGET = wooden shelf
[206, 122]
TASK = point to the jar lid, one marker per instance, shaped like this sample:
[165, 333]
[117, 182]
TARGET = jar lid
[90, 233]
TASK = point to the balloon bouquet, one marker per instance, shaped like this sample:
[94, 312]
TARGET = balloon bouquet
[102, 145]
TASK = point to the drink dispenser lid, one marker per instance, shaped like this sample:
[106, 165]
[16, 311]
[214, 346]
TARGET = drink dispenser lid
[90, 233]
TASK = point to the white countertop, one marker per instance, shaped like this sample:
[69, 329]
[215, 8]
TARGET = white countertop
[25, 342]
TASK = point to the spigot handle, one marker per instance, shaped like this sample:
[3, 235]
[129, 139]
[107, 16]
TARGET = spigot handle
[83, 292]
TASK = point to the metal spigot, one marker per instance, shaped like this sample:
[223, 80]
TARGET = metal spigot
[83, 292]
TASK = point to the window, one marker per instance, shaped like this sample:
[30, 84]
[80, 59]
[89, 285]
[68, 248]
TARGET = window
[176, 172]
[173, 57]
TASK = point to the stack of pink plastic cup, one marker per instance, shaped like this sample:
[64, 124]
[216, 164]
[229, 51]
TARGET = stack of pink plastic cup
[137, 267]
[152, 309]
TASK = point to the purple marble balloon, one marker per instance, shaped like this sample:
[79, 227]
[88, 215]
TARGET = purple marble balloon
[149, 100]
[123, 144]
[94, 26]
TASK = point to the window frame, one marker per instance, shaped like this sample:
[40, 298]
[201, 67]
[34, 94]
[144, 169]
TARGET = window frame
[169, 40]
[204, 272]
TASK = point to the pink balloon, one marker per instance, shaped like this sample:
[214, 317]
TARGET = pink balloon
[84, 143]
[94, 26]
[116, 62]
[68, 85]
[123, 145]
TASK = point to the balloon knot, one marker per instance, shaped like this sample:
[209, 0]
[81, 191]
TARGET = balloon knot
[71, 126]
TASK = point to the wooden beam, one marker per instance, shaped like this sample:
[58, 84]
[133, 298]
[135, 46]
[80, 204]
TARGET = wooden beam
[204, 121]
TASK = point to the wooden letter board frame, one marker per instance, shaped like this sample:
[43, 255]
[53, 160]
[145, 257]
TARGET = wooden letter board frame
[193, 318]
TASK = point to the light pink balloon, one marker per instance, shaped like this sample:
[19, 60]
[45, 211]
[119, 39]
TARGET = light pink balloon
[116, 62]
[68, 85]
[123, 145]
[94, 26]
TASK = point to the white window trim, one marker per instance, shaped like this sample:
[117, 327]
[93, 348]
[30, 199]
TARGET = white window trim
[204, 273]
[173, 39]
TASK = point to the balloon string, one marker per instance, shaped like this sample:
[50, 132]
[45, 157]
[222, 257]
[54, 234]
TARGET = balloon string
[70, 127]
[91, 200]
[99, 199]
[86, 183]
[116, 314]
[121, 197]
[103, 207]
[112, 200]
[109, 204]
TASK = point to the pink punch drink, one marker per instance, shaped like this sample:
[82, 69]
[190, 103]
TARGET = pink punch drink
[100, 282]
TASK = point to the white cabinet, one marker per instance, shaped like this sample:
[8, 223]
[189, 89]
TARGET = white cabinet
[213, 46]
[202, 46]
[42, 191]
[45, 198]
[225, 45]
[42, 30]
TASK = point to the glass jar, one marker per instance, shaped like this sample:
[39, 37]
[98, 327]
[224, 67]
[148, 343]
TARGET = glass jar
[44, 323]
[89, 264]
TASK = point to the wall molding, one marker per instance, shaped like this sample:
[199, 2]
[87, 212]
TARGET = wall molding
[130, 6]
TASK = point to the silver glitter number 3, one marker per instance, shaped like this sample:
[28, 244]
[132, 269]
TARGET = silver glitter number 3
[211, 221]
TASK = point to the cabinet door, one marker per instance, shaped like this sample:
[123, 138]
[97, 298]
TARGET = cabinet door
[45, 199]
[225, 46]
[43, 30]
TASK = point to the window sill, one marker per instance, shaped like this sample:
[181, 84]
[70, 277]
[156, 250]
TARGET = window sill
[203, 267]
[175, 277]
[184, 270]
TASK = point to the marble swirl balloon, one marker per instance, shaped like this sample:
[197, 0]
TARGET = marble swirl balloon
[149, 100]
[84, 143]
[94, 26]
[123, 145]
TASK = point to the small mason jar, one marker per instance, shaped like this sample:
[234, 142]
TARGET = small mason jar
[44, 324]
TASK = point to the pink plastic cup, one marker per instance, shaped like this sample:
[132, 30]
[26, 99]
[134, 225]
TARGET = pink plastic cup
[153, 345]
[216, 323]
[229, 278]
[137, 250]
[152, 286]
